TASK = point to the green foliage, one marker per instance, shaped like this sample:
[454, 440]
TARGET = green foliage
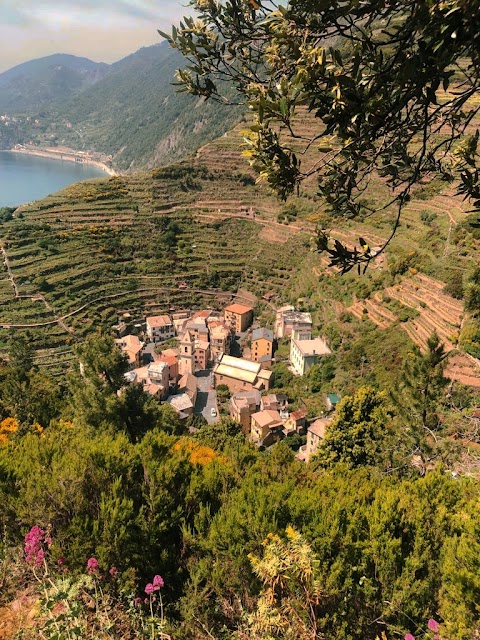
[359, 432]
[372, 90]
[470, 337]
[418, 396]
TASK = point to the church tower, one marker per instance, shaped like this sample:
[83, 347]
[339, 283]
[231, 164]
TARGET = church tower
[186, 357]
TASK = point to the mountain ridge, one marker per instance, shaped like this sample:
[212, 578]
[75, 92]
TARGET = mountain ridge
[132, 113]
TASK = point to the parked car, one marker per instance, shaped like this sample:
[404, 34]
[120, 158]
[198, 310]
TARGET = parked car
[213, 412]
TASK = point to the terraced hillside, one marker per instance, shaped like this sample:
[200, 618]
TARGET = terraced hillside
[80, 258]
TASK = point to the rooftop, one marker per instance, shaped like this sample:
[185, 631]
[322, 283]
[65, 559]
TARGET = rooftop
[319, 427]
[156, 369]
[246, 398]
[181, 402]
[171, 361]
[159, 321]
[259, 334]
[298, 415]
[188, 381]
[238, 308]
[316, 347]
[202, 344]
[333, 397]
[238, 368]
[298, 316]
[266, 417]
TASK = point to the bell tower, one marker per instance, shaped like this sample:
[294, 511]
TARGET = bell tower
[186, 357]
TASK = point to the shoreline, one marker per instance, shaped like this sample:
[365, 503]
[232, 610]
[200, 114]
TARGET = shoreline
[66, 155]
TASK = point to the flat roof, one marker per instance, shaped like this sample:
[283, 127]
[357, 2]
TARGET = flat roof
[315, 347]
[238, 308]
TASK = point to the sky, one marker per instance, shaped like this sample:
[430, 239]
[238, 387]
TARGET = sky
[102, 30]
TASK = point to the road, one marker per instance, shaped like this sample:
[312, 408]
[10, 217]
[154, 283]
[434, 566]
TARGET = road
[206, 397]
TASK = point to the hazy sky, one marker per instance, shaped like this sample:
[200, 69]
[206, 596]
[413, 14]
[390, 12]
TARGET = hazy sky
[103, 30]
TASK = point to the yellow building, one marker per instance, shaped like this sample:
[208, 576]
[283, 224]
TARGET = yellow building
[262, 345]
[239, 317]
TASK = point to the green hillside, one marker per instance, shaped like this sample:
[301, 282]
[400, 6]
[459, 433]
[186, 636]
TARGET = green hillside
[85, 255]
[37, 84]
[133, 113]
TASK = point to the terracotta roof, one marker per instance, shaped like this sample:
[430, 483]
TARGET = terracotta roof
[153, 389]
[201, 314]
[238, 308]
[188, 381]
[266, 417]
[202, 344]
[169, 352]
[299, 415]
[159, 321]
[319, 427]
[170, 360]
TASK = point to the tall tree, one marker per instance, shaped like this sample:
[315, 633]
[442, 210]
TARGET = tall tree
[389, 84]
[358, 433]
[419, 394]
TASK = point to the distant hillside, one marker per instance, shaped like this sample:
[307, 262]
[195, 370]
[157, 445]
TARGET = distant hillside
[132, 113]
[38, 83]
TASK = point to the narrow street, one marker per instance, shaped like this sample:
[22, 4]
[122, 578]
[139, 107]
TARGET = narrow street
[206, 397]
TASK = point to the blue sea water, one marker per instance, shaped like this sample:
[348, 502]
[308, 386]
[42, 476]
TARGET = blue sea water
[25, 178]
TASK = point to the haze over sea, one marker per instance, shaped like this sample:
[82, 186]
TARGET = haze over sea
[24, 178]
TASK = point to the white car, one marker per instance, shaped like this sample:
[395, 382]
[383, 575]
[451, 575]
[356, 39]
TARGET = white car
[213, 412]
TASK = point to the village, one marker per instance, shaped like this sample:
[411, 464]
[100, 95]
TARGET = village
[192, 359]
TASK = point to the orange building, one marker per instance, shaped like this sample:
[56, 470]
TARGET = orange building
[239, 317]
[262, 345]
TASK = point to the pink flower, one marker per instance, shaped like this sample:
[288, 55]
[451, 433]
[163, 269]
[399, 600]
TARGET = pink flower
[433, 625]
[158, 582]
[39, 558]
[409, 637]
[137, 602]
[149, 589]
[48, 540]
[113, 572]
[92, 565]
[33, 543]
[61, 561]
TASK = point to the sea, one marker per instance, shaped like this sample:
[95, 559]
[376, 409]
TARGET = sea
[24, 178]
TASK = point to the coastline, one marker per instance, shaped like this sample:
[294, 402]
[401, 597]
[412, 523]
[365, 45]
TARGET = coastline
[67, 155]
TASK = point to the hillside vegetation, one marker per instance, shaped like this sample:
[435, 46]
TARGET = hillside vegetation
[130, 112]
[81, 257]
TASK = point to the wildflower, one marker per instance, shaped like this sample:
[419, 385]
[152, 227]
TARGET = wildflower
[146, 601]
[137, 602]
[33, 543]
[113, 572]
[433, 625]
[149, 589]
[409, 637]
[92, 565]
[39, 558]
[61, 562]
[48, 540]
[158, 582]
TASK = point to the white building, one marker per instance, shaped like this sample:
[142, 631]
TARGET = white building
[160, 328]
